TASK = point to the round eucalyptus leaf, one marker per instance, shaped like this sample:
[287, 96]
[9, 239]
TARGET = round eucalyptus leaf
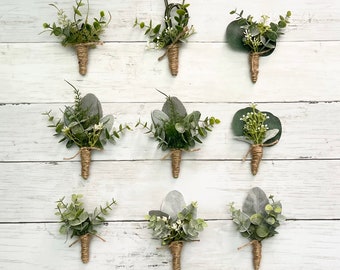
[174, 108]
[179, 127]
[262, 231]
[234, 36]
[273, 122]
[158, 117]
[173, 203]
[237, 124]
[266, 51]
[255, 202]
[92, 105]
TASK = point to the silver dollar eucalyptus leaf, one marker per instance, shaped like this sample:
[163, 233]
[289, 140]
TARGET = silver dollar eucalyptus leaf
[91, 104]
[158, 117]
[270, 134]
[173, 107]
[173, 203]
[255, 202]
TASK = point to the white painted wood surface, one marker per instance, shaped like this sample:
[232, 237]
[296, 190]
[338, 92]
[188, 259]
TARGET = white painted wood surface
[299, 83]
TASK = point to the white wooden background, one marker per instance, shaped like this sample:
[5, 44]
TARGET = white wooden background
[299, 83]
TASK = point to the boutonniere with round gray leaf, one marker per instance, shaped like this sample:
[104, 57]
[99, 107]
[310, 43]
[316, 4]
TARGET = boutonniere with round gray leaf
[256, 38]
[84, 126]
[174, 224]
[258, 220]
[176, 130]
[259, 129]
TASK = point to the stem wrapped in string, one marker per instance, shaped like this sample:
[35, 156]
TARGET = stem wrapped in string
[176, 250]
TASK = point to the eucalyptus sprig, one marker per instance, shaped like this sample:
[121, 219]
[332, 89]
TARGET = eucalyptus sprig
[79, 29]
[169, 34]
[84, 125]
[78, 222]
[257, 128]
[175, 224]
[258, 219]
[176, 130]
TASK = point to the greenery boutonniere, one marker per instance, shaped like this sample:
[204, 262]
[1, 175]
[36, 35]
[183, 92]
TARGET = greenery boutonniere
[176, 130]
[77, 222]
[175, 223]
[258, 38]
[83, 125]
[169, 35]
[258, 129]
[258, 220]
[78, 32]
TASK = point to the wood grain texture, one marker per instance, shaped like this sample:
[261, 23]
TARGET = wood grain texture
[299, 83]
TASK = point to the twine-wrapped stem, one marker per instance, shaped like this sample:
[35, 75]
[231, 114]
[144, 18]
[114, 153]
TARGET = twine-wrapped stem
[82, 50]
[176, 157]
[254, 59]
[257, 253]
[176, 250]
[173, 53]
[256, 152]
[85, 247]
[85, 160]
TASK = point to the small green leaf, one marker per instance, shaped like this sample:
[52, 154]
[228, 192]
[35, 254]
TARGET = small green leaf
[282, 24]
[262, 231]
[141, 25]
[76, 11]
[102, 14]
[180, 12]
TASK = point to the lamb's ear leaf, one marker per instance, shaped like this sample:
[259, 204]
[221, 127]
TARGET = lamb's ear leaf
[273, 122]
[173, 107]
[243, 139]
[158, 117]
[92, 105]
[173, 203]
[271, 133]
[236, 123]
[255, 202]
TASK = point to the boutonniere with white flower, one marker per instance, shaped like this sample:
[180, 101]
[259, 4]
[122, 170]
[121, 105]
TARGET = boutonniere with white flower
[175, 224]
[259, 129]
[84, 126]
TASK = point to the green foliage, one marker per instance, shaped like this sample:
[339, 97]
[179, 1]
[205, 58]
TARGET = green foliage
[260, 36]
[173, 128]
[185, 227]
[175, 26]
[261, 224]
[76, 220]
[79, 30]
[83, 123]
[256, 127]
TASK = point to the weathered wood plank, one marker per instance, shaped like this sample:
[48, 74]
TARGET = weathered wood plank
[129, 246]
[309, 132]
[311, 20]
[125, 72]
[308, 189]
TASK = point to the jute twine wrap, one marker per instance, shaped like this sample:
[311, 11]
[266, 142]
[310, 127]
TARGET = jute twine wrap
[173, 52]
[85, 160]
[256, 156]
[254, 59]
[85, 247]
[176, 250]
[82, 54]
[176, 157]
[257, 253]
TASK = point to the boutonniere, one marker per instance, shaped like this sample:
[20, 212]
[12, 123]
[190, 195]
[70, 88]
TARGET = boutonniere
[175, 224]
[257, 38]
[259, 129]
[77, 222]
[84, 125]
[171, 33]
[258, 220]
[78, 32]
[176, 130]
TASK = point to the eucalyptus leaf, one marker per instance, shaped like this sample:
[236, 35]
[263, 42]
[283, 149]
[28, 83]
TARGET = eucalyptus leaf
[234, 35]
[179, 127]
[173, 204]
[255, 202]
[237, 124]
[174, 108]
[158, 117]
[108, 122]
[92, 105]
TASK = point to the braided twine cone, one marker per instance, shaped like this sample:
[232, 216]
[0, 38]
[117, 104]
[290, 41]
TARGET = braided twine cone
[173, 52]
[85, 160]
[254, 59]
[257, 253]
[176, 157]
[82, 50]
[256, 152]
[176, 250]
[85, 247]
